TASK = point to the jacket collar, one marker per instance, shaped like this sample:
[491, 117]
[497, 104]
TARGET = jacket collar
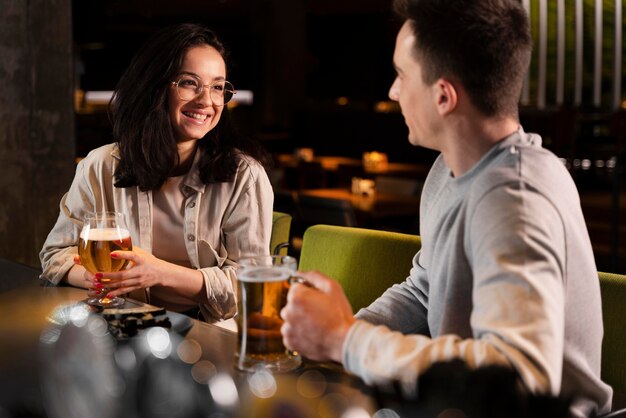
[192, 179]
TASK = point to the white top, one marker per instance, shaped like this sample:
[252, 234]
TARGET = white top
[168, 239]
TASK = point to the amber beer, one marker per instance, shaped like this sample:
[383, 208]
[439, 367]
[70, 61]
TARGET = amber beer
[262, 295]
[95, 246]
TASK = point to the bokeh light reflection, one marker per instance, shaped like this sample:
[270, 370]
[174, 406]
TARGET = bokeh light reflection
[97, 326]
[125, 358]
[79, 314]
[159, 342]
[189, 351]
[262, 384]
[386, 413]
[311, 384]
[49, 335]
[332, 405]
[355, 412]
[203, 371]
[223, 390]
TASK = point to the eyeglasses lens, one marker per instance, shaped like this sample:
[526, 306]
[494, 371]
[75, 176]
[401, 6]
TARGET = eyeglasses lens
[189, 88]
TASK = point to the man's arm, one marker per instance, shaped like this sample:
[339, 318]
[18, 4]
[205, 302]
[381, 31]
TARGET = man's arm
[517, 317]
[402, 307]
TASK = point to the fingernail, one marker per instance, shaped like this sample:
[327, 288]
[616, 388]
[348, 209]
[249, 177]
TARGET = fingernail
[113, 255]
[110, 295]
[98, 285]
[99, 275]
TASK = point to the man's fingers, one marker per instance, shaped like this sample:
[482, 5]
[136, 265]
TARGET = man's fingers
[318, 280]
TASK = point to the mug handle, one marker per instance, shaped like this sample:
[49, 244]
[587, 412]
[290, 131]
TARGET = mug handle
[300, 280]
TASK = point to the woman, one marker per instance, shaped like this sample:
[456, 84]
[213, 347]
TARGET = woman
[195, 195]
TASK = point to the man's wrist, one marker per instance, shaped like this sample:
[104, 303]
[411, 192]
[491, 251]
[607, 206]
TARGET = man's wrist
[340, 340]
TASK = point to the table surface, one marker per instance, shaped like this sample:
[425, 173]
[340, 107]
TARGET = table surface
[45, 367]
[378, 205]
[332, 163]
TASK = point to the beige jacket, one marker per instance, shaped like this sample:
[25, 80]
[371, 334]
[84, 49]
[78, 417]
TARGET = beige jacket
[222, 221]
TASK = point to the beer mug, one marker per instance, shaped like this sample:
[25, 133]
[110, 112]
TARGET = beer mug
[102, 233]
[263, 285]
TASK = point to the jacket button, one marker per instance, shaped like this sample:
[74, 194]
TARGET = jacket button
[191, 237]
[191, 205]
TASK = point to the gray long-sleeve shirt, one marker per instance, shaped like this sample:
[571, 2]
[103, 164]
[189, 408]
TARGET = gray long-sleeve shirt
[506, 275]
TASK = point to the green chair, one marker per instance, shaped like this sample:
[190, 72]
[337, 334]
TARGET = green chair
[613, 289]
[366, 262]
[281, 225]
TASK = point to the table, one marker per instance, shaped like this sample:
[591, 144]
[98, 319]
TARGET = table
[337, 171]
[376, 206]
[43, 371]
[333, 162]
[79, 371]
[328, 162]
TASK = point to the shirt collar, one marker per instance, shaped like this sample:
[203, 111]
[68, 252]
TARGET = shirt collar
[192, 179]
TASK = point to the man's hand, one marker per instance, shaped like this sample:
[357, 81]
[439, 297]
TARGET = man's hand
[317, 318]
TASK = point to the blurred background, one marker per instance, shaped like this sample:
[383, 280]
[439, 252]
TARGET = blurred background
[315, 69]
[313, 74]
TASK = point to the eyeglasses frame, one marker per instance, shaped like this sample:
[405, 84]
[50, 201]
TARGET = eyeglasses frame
[201, 89]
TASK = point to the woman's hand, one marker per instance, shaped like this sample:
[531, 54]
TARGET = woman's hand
[85, 279]
[144, 271]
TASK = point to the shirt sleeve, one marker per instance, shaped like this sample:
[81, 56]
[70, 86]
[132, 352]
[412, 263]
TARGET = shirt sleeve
[246, 231]
[61, 245]
[516, 246]
[402, 307]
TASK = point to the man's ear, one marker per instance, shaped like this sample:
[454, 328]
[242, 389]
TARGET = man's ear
[446, 96]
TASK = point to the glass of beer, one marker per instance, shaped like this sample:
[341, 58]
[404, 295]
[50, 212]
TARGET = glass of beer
[102, 233]
[263, 285]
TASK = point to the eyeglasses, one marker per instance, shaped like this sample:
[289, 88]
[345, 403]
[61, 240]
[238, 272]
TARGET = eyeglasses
[189, 87]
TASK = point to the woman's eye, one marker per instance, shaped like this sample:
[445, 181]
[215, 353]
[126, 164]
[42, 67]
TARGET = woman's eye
[218, 87]
[189, 83]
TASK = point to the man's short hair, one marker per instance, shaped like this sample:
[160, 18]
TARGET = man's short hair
[483, 44]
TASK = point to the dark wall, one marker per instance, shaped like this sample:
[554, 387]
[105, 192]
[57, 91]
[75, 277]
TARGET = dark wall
[36, 122]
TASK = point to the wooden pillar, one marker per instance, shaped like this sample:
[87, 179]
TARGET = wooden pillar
[36, 122]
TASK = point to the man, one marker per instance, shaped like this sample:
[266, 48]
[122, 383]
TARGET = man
[506, 274]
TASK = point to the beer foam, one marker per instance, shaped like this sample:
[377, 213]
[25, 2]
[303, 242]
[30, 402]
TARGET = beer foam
[104, 234]
[265, 274]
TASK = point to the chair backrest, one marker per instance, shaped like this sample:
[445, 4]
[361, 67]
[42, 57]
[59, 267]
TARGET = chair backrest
[281, 225]
[313, 210]
[366, 262]
[613, 288]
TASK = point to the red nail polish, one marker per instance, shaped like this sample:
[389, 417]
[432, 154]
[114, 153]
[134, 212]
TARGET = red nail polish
[98, 286]
[99, 275]
[110, 296]
[113, 255]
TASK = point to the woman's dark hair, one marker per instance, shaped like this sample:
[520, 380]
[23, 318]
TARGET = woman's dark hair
[141, 123]
[486, 45]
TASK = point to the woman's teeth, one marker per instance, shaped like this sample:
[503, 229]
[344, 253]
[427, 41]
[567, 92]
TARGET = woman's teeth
[196, 116]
